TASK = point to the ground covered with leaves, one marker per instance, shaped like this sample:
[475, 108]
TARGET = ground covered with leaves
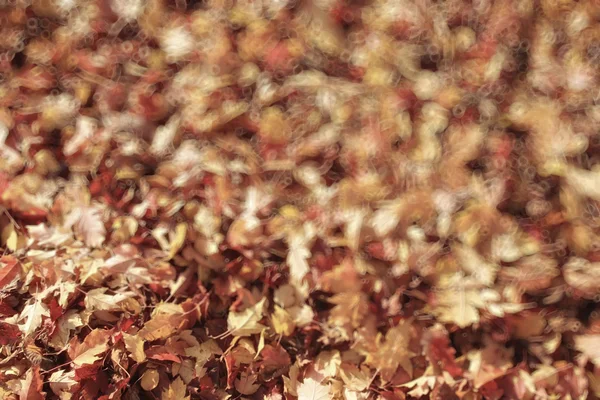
[294, 199]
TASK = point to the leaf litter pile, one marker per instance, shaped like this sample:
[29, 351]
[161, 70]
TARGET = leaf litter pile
[333, 199]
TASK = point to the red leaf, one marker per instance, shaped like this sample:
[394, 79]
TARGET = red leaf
[8, 333]
[161, 353]
[6, 310]
[32, 387]
[439, 350]
[86, 372]
[9, 271]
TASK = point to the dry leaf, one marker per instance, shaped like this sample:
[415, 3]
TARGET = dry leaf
[87, 224]
[310, 389]
[246, 384]
[589, 345]
[150, 379]
[246, 323]
[135, 345]
[95, 344]
[176, 391]
[32, 385]
[32, 314]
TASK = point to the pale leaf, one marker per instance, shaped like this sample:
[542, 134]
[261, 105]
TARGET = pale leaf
[310, 389]
[33, 313]
[175, 391]
[91, 349]
[246, 323]
[88, 225]
[135, 345]
[589, 345]
[97, 299]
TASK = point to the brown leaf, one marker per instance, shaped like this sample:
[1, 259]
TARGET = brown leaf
[92, 347]
[32, 385]
[10, 269]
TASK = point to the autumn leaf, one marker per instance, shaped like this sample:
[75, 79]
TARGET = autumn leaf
[328, 363]
[392, 352]
[97, 299]
[135, 346]
[31, 386]
[178, 239]
[62, 381]
[87, 223]
[589, 345]
[10, 270]
[160, 327]
[32, 314]
[282, 322]
[354, 378]
[175, 391]
[150, 379]
[246, 323]
[310, 389]
[246, 384]
[92, 347]
[8, 333]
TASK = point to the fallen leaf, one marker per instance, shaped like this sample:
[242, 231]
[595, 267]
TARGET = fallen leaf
[32, 314]
[92, 347]
[246, 323]
[589, 345]
[31, 386]
[246, 384]
[87, 223]
[176, 391]
[150, 379]
[135, 346]
[310, 389]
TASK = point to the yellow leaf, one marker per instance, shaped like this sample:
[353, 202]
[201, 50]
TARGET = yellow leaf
[135, 345]
[178, 240]
[246, 323]
[176, 391]
[150, 379]
[261, 343]
[392, 352]
[328, 363]
[92, 347]
[282, 322]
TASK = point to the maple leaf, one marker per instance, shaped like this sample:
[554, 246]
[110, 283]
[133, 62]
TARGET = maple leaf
[8, 333]
[10, 271]
[459, 299]
[175, 391]
[90, 350]
[87, 223]
[64, 325]
[438, 350]
[96, 299]
[246, 323]
[31, 388]
[392, 351]
[328, 363]
[62, 381]
[311, 389]
[589, 345]
[245, 384]
[473, 263]
[135, 345]
[33, 314]
[161, 326]
[354, 378]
